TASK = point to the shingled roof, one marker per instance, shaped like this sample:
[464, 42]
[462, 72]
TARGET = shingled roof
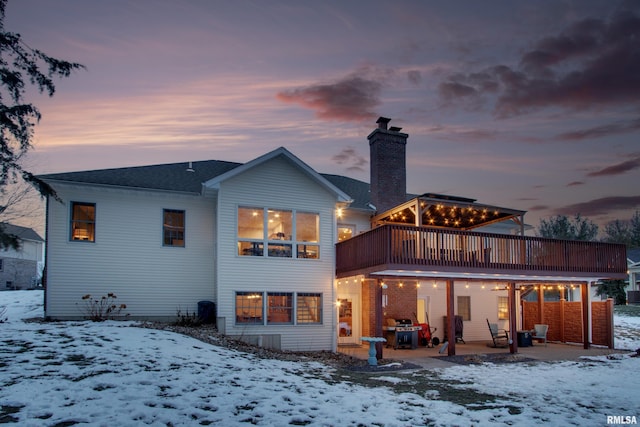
[23, 233]
[189, 177]
[170, 177]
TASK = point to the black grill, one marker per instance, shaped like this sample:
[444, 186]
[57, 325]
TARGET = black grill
[401, 333]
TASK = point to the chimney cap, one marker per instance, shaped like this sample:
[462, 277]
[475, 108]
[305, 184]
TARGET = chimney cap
[382, 122]
[395, 129]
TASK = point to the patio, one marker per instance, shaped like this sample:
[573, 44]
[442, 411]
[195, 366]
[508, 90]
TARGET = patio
[431, 358]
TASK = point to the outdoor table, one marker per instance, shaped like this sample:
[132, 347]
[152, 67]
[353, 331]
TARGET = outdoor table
[524, 338]
[372, 348]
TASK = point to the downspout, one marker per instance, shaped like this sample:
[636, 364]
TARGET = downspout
[334, 285]
[45, 271]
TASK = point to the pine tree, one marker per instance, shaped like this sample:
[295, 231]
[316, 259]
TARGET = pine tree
[20, 66]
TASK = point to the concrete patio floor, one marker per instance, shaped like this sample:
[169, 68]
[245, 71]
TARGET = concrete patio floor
[429, 357]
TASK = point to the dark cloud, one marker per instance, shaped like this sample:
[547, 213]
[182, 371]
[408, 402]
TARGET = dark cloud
[593, 63]
[353, 98]
[415, 77]
[349, 157]
[599, 131]
[575, 183]
[618, 169]
[539, 208]
[600, 206]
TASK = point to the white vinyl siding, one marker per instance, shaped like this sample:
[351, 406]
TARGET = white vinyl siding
[128, 257]
[276, 184]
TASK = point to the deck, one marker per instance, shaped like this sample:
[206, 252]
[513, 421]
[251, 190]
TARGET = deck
[410, 248]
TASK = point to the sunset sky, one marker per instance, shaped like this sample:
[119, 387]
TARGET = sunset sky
[531, 105]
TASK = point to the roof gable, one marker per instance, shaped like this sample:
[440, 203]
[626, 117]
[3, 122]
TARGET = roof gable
[286, 154]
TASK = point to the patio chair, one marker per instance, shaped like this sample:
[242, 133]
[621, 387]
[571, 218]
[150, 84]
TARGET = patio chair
[539, 333]
[500, 337]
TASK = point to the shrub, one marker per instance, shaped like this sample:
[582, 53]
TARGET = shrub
[187, 319]
[103, 308]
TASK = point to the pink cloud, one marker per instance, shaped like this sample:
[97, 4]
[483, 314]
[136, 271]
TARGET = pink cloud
[618, 168]
[353, 98]
[601, 206]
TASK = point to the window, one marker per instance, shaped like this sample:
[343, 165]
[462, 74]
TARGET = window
[345, 232]
[83, 221]
[249, 307]
[1, 264]
[309, 308]
[280, 231]
[173, 227]
[464, 307]
[279, 307]
[307, 232]
[503, 308]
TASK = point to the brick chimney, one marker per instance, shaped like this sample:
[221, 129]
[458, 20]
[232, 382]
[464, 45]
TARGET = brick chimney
[388, 166]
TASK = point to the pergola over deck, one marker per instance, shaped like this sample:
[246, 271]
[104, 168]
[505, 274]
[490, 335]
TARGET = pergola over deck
[448, 250]
[452, 212]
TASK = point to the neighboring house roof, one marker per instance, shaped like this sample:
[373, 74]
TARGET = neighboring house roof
[633, 256]
[23, 233]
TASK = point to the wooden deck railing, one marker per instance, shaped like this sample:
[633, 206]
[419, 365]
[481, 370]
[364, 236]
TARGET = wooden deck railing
[403, 246]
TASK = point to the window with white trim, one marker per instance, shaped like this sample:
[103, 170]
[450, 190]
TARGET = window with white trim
[83, 222]
[503, 308]
[249, 308]
[278, 308]
[284, 233]
[173, 227]
[464, 307]
[308, 308]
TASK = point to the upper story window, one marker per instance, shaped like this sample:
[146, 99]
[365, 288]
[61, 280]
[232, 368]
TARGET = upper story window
[173, 227]
[83, 221]
[345, 232]
[284, 233]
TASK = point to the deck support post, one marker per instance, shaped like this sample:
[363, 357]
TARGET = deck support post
[586, 311]
[451, 321]
[541, 304]
[513, 325]
[378, 317]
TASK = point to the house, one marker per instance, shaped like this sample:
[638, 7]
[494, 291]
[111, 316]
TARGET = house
[299, 260]
[21, 268]
[633, 265]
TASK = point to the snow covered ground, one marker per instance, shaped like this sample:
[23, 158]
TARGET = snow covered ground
[109, 373]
